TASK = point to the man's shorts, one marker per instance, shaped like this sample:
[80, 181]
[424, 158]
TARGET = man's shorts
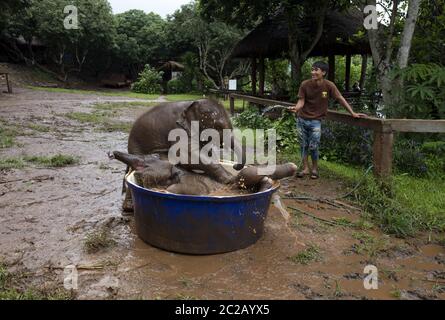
[309, 134]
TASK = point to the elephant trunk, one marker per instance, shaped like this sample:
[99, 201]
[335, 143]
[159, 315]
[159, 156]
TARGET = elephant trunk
[134, 161]
[240, 151]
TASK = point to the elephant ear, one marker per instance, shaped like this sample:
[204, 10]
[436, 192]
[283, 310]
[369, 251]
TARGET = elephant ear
[187, 116]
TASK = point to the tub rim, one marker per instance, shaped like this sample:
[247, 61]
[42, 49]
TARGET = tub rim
[129, 178]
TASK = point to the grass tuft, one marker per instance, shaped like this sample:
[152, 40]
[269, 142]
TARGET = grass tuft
[56, 161]
[98, 240]
[11, 163]
[312, 253]
[13, 287]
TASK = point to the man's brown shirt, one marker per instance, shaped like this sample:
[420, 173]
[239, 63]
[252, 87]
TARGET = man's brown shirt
[316, 98]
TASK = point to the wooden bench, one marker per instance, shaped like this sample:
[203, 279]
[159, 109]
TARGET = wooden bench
[8, 83]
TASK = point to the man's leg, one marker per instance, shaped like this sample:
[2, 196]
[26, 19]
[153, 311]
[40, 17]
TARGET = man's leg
[305, 164]
[303, 137]
[314, 143]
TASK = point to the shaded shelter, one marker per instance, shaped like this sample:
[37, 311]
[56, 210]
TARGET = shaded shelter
[341, 36]
[168, 68]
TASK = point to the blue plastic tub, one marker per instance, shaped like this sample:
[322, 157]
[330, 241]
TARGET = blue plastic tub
[199, 224]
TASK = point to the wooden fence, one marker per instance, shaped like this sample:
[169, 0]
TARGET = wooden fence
[383, 129]
[8, 83]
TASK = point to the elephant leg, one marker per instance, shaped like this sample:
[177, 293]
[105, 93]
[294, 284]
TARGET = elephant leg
[284, 170]
[127, 205]
[249, 177]
[265, 184]
[214, 171]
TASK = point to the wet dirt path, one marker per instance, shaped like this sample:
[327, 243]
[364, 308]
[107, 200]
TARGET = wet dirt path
[46, 214]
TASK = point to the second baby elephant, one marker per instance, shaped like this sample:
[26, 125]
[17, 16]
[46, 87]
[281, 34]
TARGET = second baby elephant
[152, 172]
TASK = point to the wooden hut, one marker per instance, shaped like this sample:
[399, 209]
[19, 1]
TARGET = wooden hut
[270, 40]
[168, 68]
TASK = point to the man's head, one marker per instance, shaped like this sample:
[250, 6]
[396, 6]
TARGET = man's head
[319, 70]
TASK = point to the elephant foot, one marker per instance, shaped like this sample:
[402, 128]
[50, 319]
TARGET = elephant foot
[127, 207]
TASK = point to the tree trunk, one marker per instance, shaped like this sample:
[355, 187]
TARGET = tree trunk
[298, 50]
[363, 71]
[382, 53]
[348, 73]
[261, 71]
[253, 76]
[408, 31]
[331, 75]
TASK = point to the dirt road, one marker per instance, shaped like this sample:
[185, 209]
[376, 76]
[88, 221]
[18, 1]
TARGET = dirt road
[48, 216]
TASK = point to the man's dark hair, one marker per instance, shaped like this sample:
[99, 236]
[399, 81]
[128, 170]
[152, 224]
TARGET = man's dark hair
[323, 66]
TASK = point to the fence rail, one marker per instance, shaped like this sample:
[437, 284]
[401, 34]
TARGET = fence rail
[383, 129]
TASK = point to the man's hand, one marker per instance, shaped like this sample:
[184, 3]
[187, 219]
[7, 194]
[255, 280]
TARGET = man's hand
[359, 115]
[297, 107]
[293, 109]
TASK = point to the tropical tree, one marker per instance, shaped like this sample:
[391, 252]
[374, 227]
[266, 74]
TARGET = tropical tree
[69, 49]
[213, 42]
[391, 45]
[140, 39]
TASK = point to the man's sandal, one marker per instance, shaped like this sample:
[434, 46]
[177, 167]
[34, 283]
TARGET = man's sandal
[315, 175]
[301, 174]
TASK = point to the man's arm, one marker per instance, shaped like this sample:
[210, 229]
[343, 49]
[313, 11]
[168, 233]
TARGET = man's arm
[298, 106]
[345, 104]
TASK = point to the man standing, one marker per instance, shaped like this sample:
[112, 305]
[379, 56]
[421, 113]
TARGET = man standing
[311, 108]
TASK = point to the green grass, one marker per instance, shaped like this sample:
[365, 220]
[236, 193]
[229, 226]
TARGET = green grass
[56, 161]
[6, 141]
[11, 288]
[38, 127]
[8, 132]
[401, 206]
[101, 119]
[128, 94]
[111, 106]
[183, 97]
[7, 135]
[369, 244]
[84, 117]
[238, 104]
[312, 253]
[396, 293]
[97, 240]
[344, 222]
[11, 163]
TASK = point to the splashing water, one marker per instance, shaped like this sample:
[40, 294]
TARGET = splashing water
[271, 108]
[276, 200]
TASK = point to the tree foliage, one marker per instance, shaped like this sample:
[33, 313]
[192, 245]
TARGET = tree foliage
[149, 81]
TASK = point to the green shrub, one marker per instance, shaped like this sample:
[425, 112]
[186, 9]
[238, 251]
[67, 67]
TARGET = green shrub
[251, 119]
[176, 86]
[408, 158]
[149, 81]
[422, 94]
[346, 144]
[434, 148]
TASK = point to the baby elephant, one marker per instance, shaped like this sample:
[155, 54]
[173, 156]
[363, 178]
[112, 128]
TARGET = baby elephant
[153, 172]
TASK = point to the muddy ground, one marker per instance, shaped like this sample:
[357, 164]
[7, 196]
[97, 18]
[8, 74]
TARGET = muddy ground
[49, 215]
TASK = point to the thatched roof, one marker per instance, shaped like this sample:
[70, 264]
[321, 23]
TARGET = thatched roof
[172, 66]
[270, 38]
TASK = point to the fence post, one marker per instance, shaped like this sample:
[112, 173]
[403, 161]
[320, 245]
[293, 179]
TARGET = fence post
[232, 104]
[382, 151]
